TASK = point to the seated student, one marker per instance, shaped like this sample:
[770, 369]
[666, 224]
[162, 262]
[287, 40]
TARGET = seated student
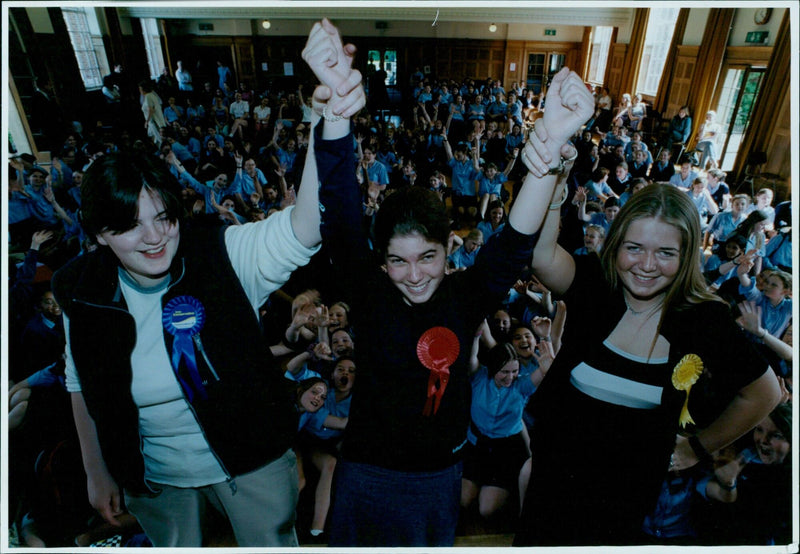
[753, 228]
[702, 200]
[767, 314]
[604, 219]
[310, 396]
[725, 222]
[514, 112]
[42, 341]
[497, 447]
[635, 186]
[756, 484]
[490, 183]
[494, 221]
[663, 170]
[593, 240]
[685, 177]
[619, 182]
[763, 202]
[464, 254]
[719, 189]
[322, 434]
[438, 183]
[251, 180]
[597, 188]
[636, 143]
[640, 166]
[465, 172]
[496, 110]
[778, 252]
[722, 266]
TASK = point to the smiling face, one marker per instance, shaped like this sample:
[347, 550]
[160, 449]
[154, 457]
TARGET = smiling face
[338, 317]
[507, 374]
[341, 343]
[496, 215]
[649, 257]
[772, 446]
[416, 266]
[523, 342]
[49, 307]
[314, 398]
[146, 250]
[344, 375]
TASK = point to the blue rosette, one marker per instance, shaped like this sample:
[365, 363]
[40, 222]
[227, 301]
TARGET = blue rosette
[183, 317]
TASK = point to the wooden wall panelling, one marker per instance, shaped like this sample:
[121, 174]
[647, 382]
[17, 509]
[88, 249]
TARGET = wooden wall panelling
[616, 60]
[683, 71]
[582, 67]
[513, 55]
[245, 60]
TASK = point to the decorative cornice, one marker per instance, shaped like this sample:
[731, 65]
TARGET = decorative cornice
[500, 12]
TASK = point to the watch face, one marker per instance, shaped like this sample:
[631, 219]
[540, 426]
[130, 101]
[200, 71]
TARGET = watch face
[762, 15]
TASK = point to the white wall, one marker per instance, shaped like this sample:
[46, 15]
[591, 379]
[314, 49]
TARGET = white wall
[743, 23]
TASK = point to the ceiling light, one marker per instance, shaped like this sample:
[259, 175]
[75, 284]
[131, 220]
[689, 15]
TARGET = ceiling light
[492, 28]
[266, 24]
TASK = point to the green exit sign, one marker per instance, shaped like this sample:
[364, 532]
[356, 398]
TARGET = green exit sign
[549, 32]
[756, 37]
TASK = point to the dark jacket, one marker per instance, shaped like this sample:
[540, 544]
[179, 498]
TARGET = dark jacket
[248, 418]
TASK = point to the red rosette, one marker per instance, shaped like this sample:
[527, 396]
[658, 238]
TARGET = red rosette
[437, 349]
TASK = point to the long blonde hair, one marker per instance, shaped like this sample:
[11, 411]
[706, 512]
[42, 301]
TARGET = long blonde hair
[674, 207]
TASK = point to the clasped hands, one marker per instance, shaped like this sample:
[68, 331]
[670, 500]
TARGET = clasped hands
[331, 61]
[569, 105]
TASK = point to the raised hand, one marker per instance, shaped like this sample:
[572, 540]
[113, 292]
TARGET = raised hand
[39, 238]
[569, 105]
[331, 61]
[750, 320]
[544, 356]
[541, 326]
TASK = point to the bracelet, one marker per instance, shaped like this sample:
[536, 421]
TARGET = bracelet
[561, 168]
[330, 118]
[699, 450]
[544, 339]
[764, 334]
[557, 205]
[725, 487]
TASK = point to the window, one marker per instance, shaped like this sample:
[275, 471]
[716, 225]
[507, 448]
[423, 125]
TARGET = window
[739, 93]
[152, 45]
[389, 64]
[658, 37]
[84, 46]
[601, 43]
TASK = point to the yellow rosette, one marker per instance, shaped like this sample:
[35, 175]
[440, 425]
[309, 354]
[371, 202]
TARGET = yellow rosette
[684, 376]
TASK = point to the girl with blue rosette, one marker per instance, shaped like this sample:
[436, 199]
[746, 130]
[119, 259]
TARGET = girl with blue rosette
[166, 417]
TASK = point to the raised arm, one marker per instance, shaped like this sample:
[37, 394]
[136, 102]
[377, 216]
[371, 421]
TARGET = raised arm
[339, 97]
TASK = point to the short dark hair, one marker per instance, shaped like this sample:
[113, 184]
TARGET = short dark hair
[111, 187]
[412, 210]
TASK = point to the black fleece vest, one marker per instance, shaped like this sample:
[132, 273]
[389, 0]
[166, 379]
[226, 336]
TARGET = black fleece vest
[248, 418]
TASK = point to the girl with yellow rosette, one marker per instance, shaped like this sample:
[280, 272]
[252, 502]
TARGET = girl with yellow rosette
[640, 363]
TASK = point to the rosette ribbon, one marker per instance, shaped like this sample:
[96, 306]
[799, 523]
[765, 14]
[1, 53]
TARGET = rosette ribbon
[685, 374]
[183, 317]
[437, 349]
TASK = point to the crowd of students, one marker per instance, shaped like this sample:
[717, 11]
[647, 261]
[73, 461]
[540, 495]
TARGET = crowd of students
[455, 298]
